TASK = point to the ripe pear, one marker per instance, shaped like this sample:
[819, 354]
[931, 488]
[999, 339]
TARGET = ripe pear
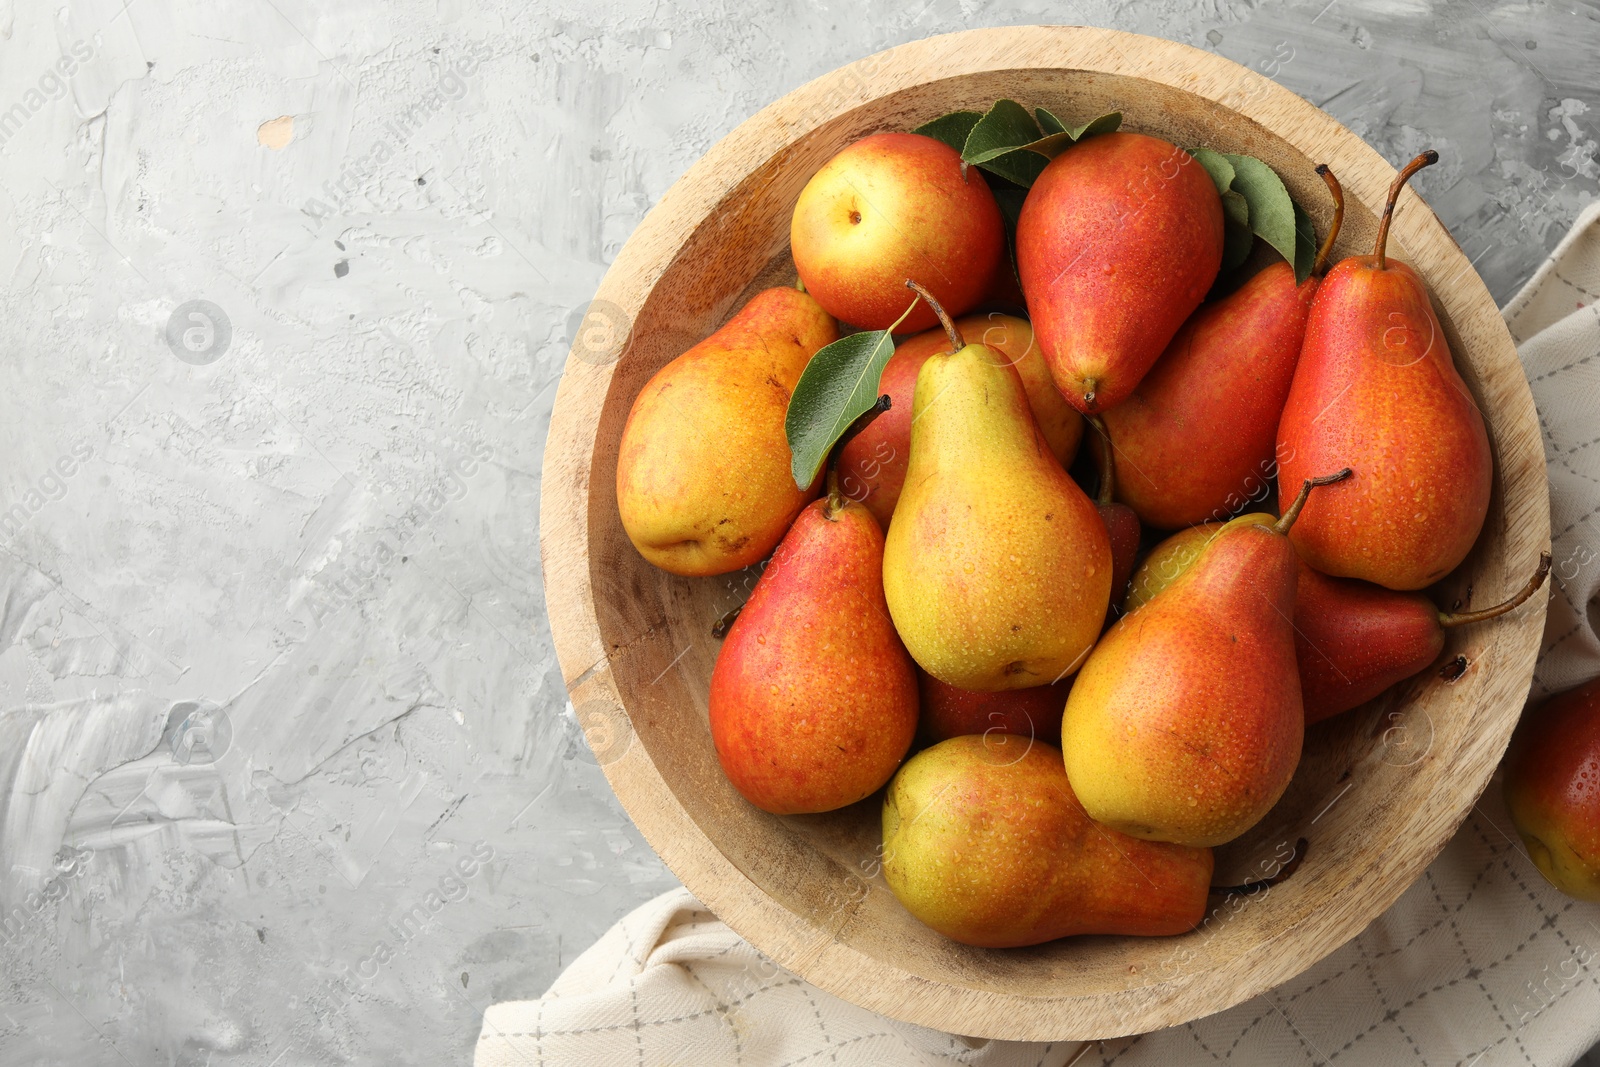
[1552, 789]
[1352, 639]
[1118, 241]
[703, 479]
[950, 712]
[997, 568]
[872, 464]
[888, 207]
[1196, 438]
[1376, 390]
[1186, 723]
[813, 698]
[1168, 559]
[984, 841]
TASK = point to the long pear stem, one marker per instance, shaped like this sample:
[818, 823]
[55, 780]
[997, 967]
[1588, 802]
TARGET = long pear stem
[1264, 884]
[956, 343]
[1448, 619]
[1108, 463]
[1427, 159]
[1320, 266]
[1281, 527]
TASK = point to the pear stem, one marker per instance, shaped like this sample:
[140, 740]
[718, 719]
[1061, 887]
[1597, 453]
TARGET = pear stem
[1108, 463]
[799, 283]
[1320, 266]
[1261, 886]
[956, 342]
[1281, 527]
[1447, 619]
[1427, 159]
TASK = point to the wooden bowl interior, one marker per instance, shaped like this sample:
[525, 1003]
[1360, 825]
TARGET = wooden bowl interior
[1362, 780]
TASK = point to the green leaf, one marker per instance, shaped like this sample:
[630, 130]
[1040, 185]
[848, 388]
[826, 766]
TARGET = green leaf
[1235, 209]
[953, 129]
[1271, 209]
[1048, 122]
[1006, 127]
[1305, 245]
[1018, 165]
[837, 387]
[1216, 165]
[1110, 122]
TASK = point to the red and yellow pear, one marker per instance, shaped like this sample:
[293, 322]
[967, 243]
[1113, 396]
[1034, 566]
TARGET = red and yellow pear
[984, 841]
[813, 698]
[703, 478]
[996, 568]
[1118, 241]
[1552, 789]
[1185, 724]
[1376, 390]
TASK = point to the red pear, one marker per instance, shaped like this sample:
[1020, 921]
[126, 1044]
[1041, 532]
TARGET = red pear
[813, 697]
[1353, 639]
[1376, 390]
[1552, 789]
[1119, 240]
[950, 712]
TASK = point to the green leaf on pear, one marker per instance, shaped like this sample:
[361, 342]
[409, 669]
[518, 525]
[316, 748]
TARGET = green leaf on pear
[953, 129]
[1305, 244]
[1110, 122]
[1271, 209]
[837, 387]
[1006, 127]
[1235, 209]
[1019, 165]
[1237, 241]
[1217, 166]
[1048, 122]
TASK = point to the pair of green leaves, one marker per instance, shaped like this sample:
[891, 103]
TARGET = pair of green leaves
[1009, 142]
[1256, 204]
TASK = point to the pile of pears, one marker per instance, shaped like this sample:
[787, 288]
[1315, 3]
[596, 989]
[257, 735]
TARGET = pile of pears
[1087, 726]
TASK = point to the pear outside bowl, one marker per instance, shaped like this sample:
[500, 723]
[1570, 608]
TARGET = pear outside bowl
[1379, 791]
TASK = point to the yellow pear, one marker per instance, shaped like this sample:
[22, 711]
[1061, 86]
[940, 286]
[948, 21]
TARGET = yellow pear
[997, 568]
[703, 479]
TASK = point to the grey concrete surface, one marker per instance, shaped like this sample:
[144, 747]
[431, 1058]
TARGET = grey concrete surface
[287, 772]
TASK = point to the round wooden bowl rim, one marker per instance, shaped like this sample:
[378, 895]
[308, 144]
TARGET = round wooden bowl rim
[794, 941]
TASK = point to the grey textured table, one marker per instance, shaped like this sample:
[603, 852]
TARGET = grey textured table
[287, 771]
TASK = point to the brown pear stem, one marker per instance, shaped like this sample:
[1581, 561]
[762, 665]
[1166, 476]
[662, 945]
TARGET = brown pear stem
[1427, 159]
[1264, 884]
[956, 343]
[1281, 527]
[1320, 266]
[1108, 463]
[1447, 619]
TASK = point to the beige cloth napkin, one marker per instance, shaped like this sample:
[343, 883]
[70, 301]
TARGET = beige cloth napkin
[1479, 963]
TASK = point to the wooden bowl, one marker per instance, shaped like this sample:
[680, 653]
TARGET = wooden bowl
[1379, 791]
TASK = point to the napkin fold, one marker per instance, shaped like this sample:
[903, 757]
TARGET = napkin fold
[1479, 963]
